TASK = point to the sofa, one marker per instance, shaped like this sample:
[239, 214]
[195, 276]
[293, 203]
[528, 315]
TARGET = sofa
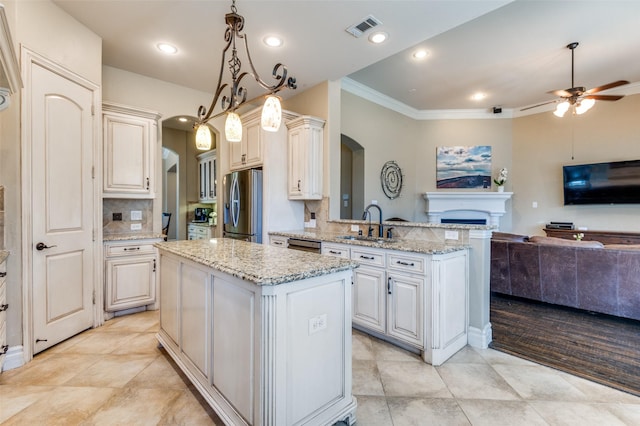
[579, 274]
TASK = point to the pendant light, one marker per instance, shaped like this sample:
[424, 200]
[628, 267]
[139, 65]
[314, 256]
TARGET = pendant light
[237, 94]
[203, 137]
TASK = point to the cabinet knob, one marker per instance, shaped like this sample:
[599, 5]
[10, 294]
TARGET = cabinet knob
[4, 307]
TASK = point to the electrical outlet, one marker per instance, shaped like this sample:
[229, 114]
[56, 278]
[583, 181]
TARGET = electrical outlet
[136, 215]
[450, 235]
[136, 226]
[317, 323]
[117, 216]
[355, 228]
[312, 223]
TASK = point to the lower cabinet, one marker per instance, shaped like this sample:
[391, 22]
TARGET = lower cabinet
[130, 274]
[199, 231]
[417, 300]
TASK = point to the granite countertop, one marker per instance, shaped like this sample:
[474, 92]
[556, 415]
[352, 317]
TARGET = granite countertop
[260, 264]
[415, 246]
[3, 255]
[126, 236]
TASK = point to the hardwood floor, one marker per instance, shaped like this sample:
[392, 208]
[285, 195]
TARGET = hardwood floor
[598, 347]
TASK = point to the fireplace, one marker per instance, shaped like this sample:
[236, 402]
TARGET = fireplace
[474, 208]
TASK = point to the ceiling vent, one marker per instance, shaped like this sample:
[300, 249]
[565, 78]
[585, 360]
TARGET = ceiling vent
[357, 30]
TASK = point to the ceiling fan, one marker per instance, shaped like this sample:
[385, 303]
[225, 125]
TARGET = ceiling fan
[579, 97]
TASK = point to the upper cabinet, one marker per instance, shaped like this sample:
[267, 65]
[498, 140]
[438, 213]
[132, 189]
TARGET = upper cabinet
[306, 137]
[130, 136]
[207, 170]
[248, 152]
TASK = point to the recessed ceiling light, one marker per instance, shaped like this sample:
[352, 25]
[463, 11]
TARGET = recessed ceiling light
[273, 41]
[378, 37]
[420, 54]
[167, 48]
[182, 119]
[478, 96]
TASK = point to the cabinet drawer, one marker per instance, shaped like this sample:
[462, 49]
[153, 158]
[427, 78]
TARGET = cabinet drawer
[368, 256]
[336, 250]
[278, 241]
[198, 230]
[129, 249]
[406, 263]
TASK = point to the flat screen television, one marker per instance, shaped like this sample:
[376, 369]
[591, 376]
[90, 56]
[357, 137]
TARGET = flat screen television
[616, 182]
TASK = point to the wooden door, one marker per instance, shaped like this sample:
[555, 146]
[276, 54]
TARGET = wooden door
[61, 125]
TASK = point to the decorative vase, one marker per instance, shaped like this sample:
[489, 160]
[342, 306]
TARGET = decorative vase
[501, 188]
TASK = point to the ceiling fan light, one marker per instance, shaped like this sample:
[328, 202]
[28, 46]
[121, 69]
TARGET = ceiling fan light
[233, 127]
[561, 109]
[271, 114]
[584, 106]
[203, 137]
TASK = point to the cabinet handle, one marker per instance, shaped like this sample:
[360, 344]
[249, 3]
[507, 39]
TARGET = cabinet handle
[3, 274]
[400, 262]
[210, 194]
[389, 285]
[298, 184]
[4, 350]
[131, 248]
[4, 307]
[277, 243]
[335, 252]
[201, 194]
[147, 184]
[244, 158]
[367, 257]
[154, 265]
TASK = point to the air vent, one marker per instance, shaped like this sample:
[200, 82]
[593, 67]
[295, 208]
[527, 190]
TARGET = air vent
[357, 30]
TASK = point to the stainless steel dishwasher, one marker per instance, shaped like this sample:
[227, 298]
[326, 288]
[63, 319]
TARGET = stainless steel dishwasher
[305, 245]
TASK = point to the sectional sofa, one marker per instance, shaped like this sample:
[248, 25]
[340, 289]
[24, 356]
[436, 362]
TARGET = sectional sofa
[580, 274]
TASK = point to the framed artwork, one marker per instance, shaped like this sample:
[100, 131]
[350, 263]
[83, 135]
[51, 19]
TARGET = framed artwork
[463, 167]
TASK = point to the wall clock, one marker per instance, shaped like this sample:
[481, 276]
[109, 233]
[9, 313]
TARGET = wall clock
[391, 179]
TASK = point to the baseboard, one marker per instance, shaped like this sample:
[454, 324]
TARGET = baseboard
[478, 338]
[14, 358]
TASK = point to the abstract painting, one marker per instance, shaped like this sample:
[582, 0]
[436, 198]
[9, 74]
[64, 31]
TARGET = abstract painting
[463, 167]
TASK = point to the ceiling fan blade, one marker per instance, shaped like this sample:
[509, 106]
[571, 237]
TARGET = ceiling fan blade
[536, 106]
[607, 86]
[561, 93]
[604, 97]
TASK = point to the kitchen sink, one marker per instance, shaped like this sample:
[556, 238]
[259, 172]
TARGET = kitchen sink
[363, 238]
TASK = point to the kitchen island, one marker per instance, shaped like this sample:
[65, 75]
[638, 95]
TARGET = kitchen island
[263, 334]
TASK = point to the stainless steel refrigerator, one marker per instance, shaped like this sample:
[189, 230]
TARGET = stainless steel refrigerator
[243, 205]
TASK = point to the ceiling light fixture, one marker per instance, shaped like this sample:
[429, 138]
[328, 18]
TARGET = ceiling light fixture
[478, 96]
[420, 54]
[237, 95]
[379, 37]
[167, 48]
[273, 41]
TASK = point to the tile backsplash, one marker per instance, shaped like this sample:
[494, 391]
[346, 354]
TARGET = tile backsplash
[124, 207]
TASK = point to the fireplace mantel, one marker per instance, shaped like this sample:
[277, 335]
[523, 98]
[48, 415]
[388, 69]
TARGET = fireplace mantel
[490, 205]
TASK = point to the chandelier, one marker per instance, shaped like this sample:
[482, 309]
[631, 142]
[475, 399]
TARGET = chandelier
[237, 94]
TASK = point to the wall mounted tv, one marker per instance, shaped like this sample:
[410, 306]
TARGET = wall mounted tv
[615, 182]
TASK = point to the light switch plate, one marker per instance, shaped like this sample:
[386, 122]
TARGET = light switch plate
[450, 235]
[136, 226]
[136, 215]
[355, 228]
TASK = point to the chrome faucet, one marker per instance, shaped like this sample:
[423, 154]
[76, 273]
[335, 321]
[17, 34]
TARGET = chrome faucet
[364, 217]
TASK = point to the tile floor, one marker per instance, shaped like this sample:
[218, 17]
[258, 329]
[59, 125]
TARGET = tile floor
[116, 374]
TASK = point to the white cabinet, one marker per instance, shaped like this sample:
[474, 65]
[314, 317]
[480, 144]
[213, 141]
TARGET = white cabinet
[130, 274]
[3, 314]
[199, 231]
[249, 151]
[415, 299]
[130, 136]
[207, 172]
[305, 158]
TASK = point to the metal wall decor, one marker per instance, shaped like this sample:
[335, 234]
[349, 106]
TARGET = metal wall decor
[391, 179]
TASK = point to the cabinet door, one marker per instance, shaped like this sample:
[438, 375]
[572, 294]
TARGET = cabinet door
[405, 310]
[195, 329]
[253, 149]
[369, 298]
[305, 159]
[169, 296]
[130, 282]
[296, 163]
[211, 179]
[129, 145]
[202, 190]
[450, 299]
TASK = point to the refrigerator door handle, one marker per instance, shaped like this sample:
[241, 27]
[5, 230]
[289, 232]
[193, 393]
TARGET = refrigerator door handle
[234, 197]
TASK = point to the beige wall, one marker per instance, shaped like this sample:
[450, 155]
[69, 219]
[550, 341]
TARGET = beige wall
[543, 143]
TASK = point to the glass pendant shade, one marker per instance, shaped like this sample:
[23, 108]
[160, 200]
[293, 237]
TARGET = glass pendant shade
[233, 127]
[561, 109]
[584, 106]
[271, 114]
[203, 138]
